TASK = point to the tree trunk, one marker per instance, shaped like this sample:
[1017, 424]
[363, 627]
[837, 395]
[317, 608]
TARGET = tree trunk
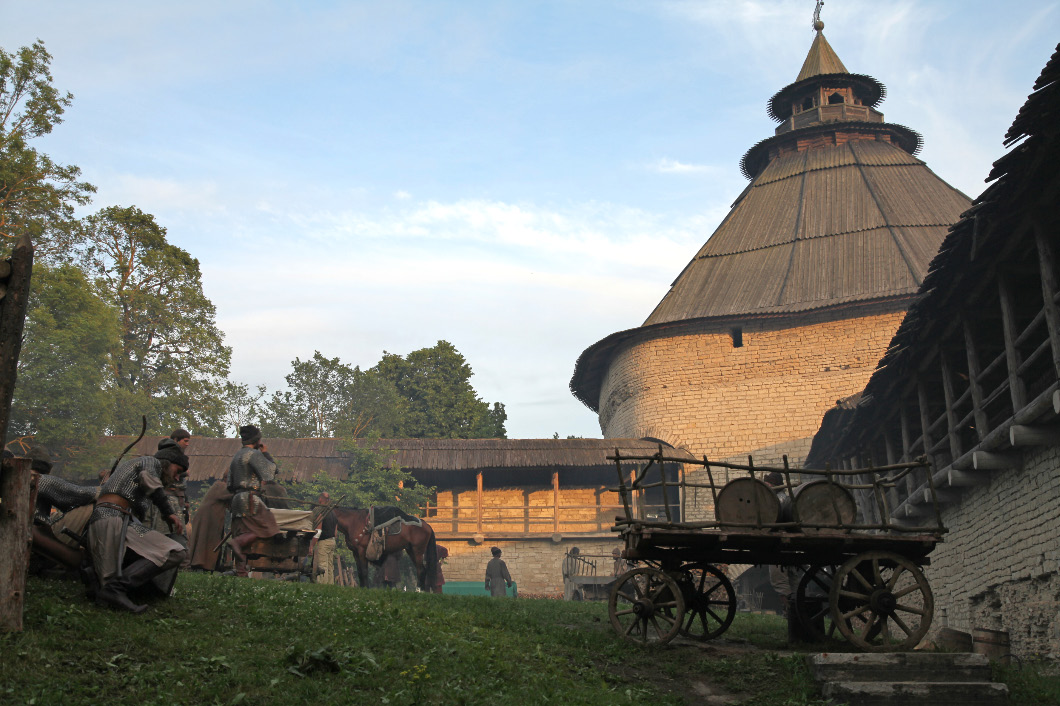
[18, 490]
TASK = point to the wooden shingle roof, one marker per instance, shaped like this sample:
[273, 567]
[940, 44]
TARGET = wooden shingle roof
[302, 458]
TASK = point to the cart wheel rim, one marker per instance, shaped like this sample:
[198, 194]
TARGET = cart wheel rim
[646, 606]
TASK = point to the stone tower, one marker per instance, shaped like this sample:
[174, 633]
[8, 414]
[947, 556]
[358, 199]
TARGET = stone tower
[791, 302]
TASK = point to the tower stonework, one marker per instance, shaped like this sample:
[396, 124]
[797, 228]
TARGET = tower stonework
[791, 302]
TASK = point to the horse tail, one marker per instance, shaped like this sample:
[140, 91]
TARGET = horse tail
[430, 558]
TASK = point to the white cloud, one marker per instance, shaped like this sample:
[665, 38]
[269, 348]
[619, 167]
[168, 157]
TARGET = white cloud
[672, 166]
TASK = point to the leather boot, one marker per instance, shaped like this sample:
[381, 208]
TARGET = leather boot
[115, 595]
[238, 544]
[139, 572]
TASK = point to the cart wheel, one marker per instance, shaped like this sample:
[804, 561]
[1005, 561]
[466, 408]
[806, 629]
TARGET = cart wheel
[646, 606]
[881, 601]
[710, 601]
[812, 605]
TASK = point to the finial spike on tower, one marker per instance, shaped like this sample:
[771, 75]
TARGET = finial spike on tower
[817, 23]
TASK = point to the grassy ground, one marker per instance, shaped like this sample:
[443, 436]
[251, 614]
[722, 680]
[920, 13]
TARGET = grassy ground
[230, 641]
[227, 641]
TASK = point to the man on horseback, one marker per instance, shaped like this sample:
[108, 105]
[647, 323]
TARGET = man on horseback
[251, 467]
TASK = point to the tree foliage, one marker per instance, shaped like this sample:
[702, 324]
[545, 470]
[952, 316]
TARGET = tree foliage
[37, 194]
[172, 363]
[328, 398]
[374, 478]
[61, 397]
[440, 402]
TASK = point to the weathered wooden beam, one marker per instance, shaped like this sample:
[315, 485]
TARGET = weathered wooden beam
[555, 501]
[1050, 288]
[12, 321]
[1040, 435]
[1017, 390]
[992, 461]
[478, 502]
[951, 414]
[961, 479]
[18, 487]
[1056, 402]
[974, 381]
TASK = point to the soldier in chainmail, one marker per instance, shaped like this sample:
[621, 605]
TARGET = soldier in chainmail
[116, 528]
[251, 467]
[54, 492]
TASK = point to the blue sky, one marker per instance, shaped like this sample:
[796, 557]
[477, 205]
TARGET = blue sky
[520, 178]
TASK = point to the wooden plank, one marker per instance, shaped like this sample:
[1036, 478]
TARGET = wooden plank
[18, 487]
[951, 413]
[555, 501]
[1017, 390]
[1050, 288]
[975, 384]
[925, 419]
[478, 502]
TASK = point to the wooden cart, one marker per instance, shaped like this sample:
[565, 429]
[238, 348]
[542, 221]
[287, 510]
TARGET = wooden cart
[859, 573]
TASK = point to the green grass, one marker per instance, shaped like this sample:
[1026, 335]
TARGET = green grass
[228, 641]
[1031, 684]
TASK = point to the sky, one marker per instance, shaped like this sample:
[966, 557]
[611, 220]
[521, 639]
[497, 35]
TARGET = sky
[520, 178]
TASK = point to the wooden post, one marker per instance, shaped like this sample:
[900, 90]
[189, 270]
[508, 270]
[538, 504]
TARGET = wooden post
[18, 489]
[1047, 262]
[925, 419]
[12, 321]
[907, 443]
[1016, 389]
[478, 502]
[555, 501]
[951, 414]
[975, 371]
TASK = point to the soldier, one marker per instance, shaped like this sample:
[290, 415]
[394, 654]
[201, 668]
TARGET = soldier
[113, 532]
[251, 467]
[56, 493]
[497, 576]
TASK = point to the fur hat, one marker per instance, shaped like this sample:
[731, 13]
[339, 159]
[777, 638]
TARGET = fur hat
[41, 459]
[249, 434]
[168, 450]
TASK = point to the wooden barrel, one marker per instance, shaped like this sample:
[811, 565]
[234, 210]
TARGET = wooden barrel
[992, 643]
[952, 640]
[816, 503]
[747, 501]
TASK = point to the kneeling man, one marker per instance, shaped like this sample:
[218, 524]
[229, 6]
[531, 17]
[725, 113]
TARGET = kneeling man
[115, 530]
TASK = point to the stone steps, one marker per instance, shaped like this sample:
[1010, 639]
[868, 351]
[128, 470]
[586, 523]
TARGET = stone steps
[907, 679]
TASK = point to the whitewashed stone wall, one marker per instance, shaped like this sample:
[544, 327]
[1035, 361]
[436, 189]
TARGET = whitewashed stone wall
[999, 566]
[536, 565]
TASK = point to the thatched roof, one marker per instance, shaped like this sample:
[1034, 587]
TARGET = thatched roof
[1026, 184]
[838, 214]
[302, 458]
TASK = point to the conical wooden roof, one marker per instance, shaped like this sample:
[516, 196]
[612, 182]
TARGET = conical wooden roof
[821, 59]
[837, 224]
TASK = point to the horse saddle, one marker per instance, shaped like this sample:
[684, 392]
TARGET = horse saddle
[390, 519]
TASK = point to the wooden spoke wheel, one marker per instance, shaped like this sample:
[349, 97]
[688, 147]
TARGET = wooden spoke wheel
[646, 606]
[881, 601]
[812, 607]
[710, 601]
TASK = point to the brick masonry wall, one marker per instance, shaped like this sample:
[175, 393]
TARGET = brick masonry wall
[536, 565]
[999, 566]
[695, 389]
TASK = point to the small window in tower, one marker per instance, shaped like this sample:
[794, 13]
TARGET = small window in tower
[836, 98]
[737, 337]
[808, 103]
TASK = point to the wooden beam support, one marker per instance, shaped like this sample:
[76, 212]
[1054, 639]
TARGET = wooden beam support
[951, 414]
[975, 385]
[18, 488]
[1016, 388]
[962, 479]
[1050, 286]
[1056, 402]
[925, 421]
[990, 461]
[555, 501]
[478, 502]
[1020, 435]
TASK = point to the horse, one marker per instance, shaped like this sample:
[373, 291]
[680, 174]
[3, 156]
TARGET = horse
[418, 542]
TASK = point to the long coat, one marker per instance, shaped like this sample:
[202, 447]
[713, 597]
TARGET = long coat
[208, 527]
[497, 577]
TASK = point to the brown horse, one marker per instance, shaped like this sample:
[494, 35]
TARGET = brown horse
[419, 542]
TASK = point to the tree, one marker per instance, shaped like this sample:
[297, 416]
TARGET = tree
[374, 478]
[242, 406]
[60, 396]
[440, 401]
[37, 194]
[327, 398]
[172, 364]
